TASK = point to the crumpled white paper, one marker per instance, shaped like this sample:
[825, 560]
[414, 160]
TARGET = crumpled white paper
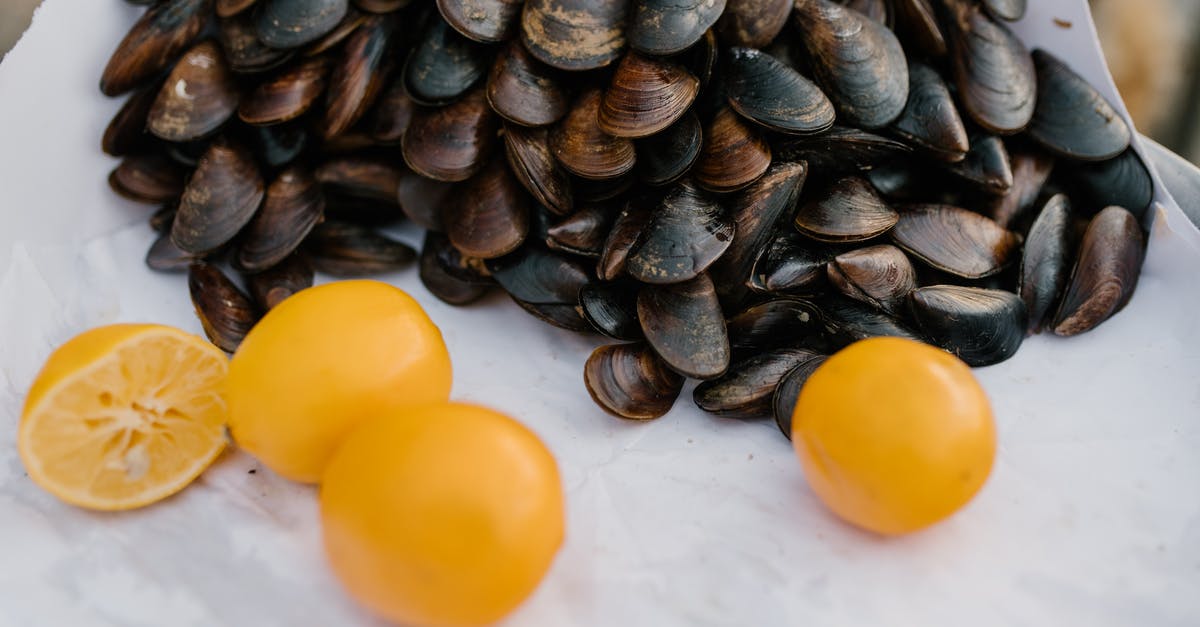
[1091, 516]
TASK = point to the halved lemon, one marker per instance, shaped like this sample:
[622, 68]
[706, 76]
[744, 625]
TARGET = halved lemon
[124, 415]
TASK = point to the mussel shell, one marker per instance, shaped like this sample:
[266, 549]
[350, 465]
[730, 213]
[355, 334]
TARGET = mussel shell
[685, 235]
[599, 191]
[150, 178]
[765, 90]
[288, 95]
[842, 150]
[955, 240]
[1105, 274]
[918, 23]
[437, 269]
[225, 312]
[482, 20]
[881, 276]
[524, 91]
[783, 321]
[165, 256]
[878, 10]
[733, 156]
[450, 143]
[646, 95]
[746, 390]
[997, 83]
[849, 320]
[197, 98]
[344, 249]
[529, 157]
[583, 232]
[980, 326]
[930, 119]
[584, 149]
[293, 23]
[275, 284]
[393, 112]
[625, 234]
[574, 34]
[490, 218]
[219, 199]
[358, 75]
[849, 210]
[755, 212]
[534, 275]
[381, 6]
[790, 263]
[666, 156]
[293, 206]
[1030, 171]
[611, 308]
[857, 60]
[684, 325]
[753, 23]
[787, 392]
[986, 164]
[161, 220]
[159, 36]
[350, 23]
[362, 177]
[443, 65]
[1008, 10]
[230, 8]
[665, 27]
[126, 133]
[1045, 263]
[1072, 119]
[243, 51]
[630, 381]
[424, 200]
[1123, 181]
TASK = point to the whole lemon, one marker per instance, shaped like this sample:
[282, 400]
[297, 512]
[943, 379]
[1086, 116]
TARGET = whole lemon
[325, 360]
[894, 435]
[446, 514]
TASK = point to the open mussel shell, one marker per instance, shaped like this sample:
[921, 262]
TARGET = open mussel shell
[980, 326]
[389, 118]
[625, 234]
[294, 23]
[783, 400]
[230, 8]
[490, 217]
[149, 178]
[288, 95]
[685, 235]
[843, 150]
[158, 37]
[443, 65]
[450, 143]
[197, 98]
[646, 95]
[849, 320]
[441, 270]
[918, 23]
[790, 263]
[126, 133]
[219, 199]
[1123, 181]
[665, 27]
[611, 308]
[225, 312]
[733, 156]
[1072, 119]
[275, 284]
[684, 324]
[881, 276]
[360, 176]
[955, 240]
[849, 210]
[523, 90]
[1030, 171]
[529, 157]
[243, 50]
[357, 76]
[755, 211]
[746, 390]
[665, 157]
[782, 321]
[765, 90]
[753, 23]
[165, 256]
[930, 119]
[424, 200]
[997, 83]
[574, 34]
[293, 206]
[345, 249]
[986, 164]
[584, 149]
[1046, 261]
[583, 232]
[857, 60]
[482, 20]
[1008, 10]
[630, 381]
[1105, 274]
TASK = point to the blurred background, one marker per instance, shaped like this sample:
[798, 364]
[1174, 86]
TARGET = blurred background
[1153, 49]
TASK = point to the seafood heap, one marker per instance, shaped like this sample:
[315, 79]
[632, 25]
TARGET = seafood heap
[730, 189]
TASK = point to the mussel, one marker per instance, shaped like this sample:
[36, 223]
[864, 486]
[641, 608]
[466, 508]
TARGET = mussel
[358, 75]
[149, 178]
[753, 23]
[646, 95]
[344, 249]
[746, 390]
[930, 119]
[630, 381]
[275, 284]
[996, 80]
[955, 240]
[524, 91]
[219, 199]
[294, 23]
[684, 325]
[1105, 273]
[684, 236]
[293, 206]
[1045, 264]
[448, 274]
[482, 20]
[450, 143]
[225, 312]
[849, 210]
[157, 39]
[197, 98]
[787, 392]
[981, 326]
[443, 65]
[768, 92]
[491, 216]
[287, 96]
[574, 34]
[877, 275]
[1072, 119]
[611, 308]
[733, 156]
[583, 148]
[668, 155]
[529, 157]
[664, 27]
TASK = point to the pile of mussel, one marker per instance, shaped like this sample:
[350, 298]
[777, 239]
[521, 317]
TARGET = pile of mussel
[731, 189]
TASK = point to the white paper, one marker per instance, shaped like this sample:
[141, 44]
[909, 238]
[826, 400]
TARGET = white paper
[1091, 516]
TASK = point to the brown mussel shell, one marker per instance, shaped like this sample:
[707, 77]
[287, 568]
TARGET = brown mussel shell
[381, 6]
[393, 111]
[490, 218]
[275, 284]
[574, 34]
[1105, 274]
[930, 119]
[765, 90]
[450, 143]
[225, 312]
[685, 235]
[746, 390]
[165, 256]
[850, 210]
[126, 133]
[1072, 119]
[665, 27]
[197, 98]
[918, 24]
[625, 234]
[294, 23]
[159, 36]
[292, 207]
[243, 51]
[955, 240]
[350, 23]
[787, 392]
[666, 156]
[1030, 171]
[630, 381]
[611, 308]
[150, 178]
[997, 84]
[842, 150]
[424, 200]
[529, 157]
[524, 91]
[646, 95]
[986, 164]
[344, 249]
[482, 20]
[684, 325]
[881, 276]
[1045, 263]
[360, 176]
[733, 156]
[439, 272]
[583, 232]
[219, 199]
[753, 23]
[288, 95]
[357, 76]
[584, 149]
[443, 65]
[980, 326]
